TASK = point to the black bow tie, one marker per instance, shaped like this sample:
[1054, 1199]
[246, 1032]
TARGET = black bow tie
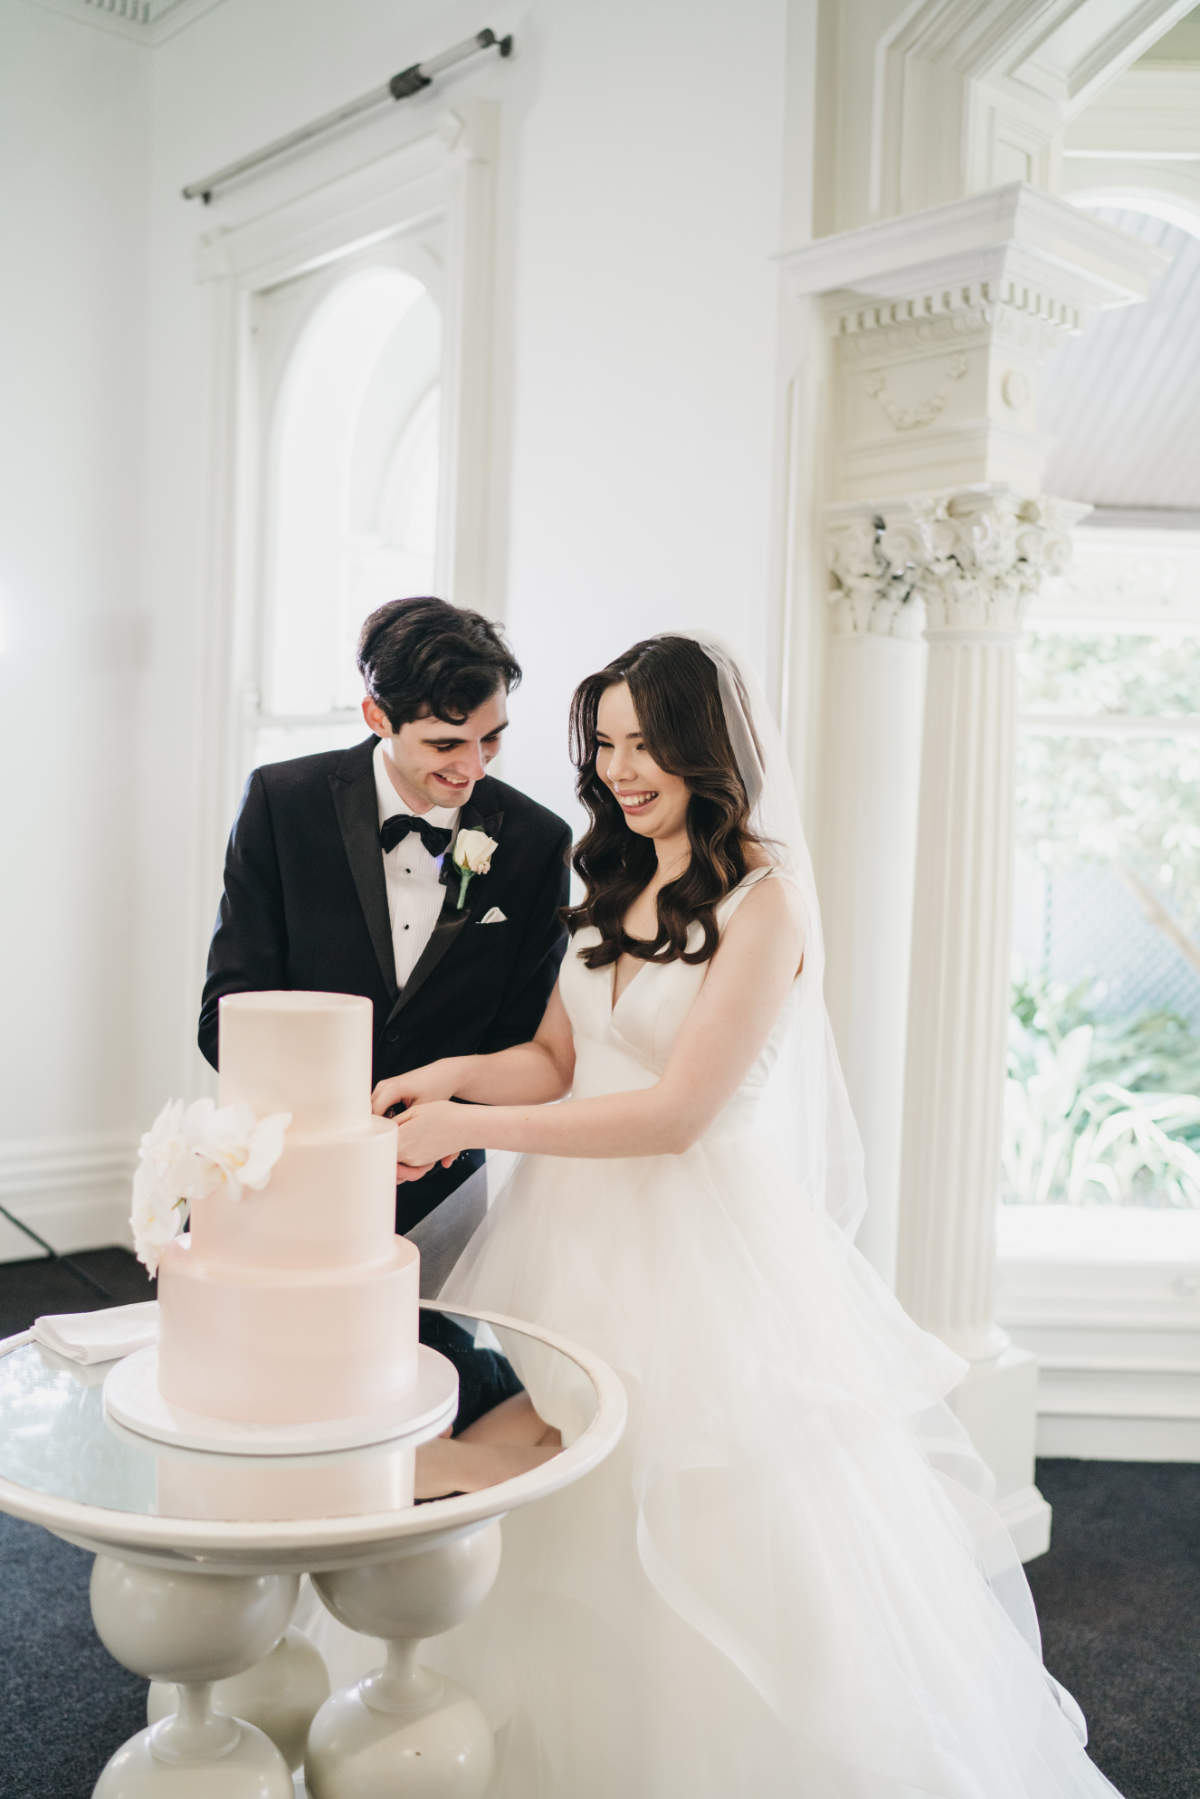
[395, 829]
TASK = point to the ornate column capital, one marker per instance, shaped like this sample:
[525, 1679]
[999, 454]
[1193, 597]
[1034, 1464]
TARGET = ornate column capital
[872, 590]
[965, 562]
[986, 553]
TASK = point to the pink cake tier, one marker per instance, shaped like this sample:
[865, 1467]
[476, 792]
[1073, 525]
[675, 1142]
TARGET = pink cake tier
[296, 1303]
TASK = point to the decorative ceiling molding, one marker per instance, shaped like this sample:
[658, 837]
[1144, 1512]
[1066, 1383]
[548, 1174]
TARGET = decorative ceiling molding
[1146, 113]
[950, 312]
[998, 80]
[1015, 240]
[942, 322]
[147, 22]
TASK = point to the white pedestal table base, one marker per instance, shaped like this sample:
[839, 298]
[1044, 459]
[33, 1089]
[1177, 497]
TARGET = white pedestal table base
[281, 1695]
[404, 1729]
[192, 1629]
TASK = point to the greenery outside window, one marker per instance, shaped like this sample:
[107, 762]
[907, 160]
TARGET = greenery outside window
[1103, 1101]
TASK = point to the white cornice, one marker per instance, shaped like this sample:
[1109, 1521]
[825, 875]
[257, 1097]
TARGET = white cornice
[147, 22]
[1009, 234]
[968, 93]
[1059, 48]
[1148, 112]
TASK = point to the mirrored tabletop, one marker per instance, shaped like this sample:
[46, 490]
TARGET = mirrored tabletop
[57, 1442]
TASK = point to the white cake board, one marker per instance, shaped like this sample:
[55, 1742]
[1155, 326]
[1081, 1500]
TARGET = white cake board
[131, 1396]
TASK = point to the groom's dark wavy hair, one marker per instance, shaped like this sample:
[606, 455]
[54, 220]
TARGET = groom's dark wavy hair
[677, 697]
[423, 656]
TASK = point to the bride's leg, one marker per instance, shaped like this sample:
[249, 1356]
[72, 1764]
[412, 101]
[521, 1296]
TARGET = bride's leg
[512, 1421]
[505, 1442]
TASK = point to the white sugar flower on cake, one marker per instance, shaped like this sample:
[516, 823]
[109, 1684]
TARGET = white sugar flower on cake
[165, 1162]
[241, 1149]
[190, 1152]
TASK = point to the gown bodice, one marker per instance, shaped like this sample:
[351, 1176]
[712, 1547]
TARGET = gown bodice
[628, 1045]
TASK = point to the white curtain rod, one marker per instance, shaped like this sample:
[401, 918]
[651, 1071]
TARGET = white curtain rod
[401, 87]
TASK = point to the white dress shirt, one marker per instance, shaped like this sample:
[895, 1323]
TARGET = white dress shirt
[414, 892]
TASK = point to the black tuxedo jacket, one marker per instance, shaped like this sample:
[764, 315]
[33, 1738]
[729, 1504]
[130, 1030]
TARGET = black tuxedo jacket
[305, 906]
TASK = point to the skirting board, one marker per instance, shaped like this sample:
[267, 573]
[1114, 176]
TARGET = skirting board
[73, 1191]
[1119, 1439]
[1132, 1405]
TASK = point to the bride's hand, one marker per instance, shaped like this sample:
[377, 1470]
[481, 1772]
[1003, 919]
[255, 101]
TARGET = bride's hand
[432, 1131]
[434, 1081]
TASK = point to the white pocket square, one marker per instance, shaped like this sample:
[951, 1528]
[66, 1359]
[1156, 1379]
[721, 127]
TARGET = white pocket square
[493, 916]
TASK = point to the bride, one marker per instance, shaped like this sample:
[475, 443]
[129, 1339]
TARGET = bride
[786, 1580]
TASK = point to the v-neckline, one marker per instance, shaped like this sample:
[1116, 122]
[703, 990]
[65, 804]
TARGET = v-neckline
[615, 998]
[750, 879]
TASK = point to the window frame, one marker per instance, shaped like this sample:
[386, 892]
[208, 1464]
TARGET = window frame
[432, 171]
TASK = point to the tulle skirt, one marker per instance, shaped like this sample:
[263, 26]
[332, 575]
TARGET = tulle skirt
[787, 1579]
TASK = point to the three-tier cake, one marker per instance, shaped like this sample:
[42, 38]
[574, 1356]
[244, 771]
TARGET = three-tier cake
[295, 1303]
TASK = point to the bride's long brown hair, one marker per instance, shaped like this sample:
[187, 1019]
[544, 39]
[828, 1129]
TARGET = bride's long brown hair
[677, 697]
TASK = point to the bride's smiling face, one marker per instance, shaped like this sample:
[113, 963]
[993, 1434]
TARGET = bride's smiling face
[654, 802]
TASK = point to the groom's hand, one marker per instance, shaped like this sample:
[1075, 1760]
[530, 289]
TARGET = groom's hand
[405, 1173]
[431, 1132]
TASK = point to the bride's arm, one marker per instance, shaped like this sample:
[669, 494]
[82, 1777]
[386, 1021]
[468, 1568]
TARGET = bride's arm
[526, 1074]
[743, 992]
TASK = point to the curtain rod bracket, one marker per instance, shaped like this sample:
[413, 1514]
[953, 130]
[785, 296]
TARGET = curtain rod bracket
[403, 86]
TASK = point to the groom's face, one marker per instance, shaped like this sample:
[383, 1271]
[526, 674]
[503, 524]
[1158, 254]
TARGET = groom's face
[434, 762]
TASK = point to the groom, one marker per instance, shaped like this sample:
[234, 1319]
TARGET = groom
[339, 878]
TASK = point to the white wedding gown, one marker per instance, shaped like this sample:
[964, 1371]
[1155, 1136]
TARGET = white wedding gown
[786, 1580]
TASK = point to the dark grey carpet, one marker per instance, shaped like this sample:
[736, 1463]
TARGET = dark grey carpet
[1119, 1600]
[65, 1705]
[1118, 1595]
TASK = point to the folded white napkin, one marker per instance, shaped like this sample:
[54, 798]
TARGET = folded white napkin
[101, 1336]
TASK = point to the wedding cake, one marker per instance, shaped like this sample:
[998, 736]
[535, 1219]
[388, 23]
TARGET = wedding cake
[291, 1301]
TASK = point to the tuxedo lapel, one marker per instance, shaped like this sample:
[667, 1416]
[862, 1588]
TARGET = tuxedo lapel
[353, 786]
[474, 817]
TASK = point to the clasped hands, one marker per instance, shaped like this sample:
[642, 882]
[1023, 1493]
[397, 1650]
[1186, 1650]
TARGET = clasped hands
[430, 1129]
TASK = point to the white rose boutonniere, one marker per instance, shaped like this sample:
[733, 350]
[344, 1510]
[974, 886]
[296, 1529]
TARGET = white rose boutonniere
[472, 855]
[190, 1152]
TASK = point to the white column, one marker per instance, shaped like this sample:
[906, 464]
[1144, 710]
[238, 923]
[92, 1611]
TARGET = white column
[986, 553]
[874, 681]
[940, 322]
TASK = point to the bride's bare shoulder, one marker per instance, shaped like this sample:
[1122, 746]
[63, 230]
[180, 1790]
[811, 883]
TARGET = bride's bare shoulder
[770, 902]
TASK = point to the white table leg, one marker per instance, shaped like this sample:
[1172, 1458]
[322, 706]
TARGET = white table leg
[280, 1694]
[192, 1629]
[404, 1729]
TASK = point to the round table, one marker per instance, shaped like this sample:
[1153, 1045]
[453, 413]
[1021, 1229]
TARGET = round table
[198, 1563]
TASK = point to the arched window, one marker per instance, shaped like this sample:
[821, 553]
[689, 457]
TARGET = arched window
[348, 361]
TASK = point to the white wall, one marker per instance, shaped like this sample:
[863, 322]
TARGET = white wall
[648, 175]
[649, 171]
[73, 101]
[641, 183]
